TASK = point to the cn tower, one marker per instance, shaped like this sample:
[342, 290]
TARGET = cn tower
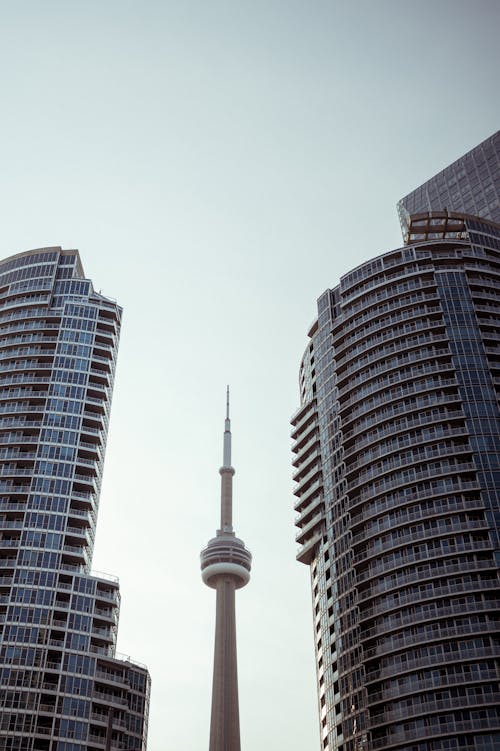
[225, 566]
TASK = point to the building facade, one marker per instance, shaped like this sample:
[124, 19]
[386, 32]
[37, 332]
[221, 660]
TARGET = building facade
[397, 469]
[470, 185]
[62, 687]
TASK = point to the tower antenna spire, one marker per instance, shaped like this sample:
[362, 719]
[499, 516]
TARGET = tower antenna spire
[226, 461]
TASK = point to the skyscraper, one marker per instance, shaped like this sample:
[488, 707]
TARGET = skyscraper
[225, 566]
[471, 185]
[62, 687]
[397, 470]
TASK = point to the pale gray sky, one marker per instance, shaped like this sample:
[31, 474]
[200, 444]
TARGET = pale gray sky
[219, 164]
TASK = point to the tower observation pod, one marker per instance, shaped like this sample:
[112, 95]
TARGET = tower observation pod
[225, 566]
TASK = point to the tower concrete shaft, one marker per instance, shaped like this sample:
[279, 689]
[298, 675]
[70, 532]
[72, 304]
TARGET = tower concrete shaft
[225, 566]
[225, 720]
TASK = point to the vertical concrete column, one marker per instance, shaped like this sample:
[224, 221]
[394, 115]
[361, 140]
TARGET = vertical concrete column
[225, 720]
[226, 499]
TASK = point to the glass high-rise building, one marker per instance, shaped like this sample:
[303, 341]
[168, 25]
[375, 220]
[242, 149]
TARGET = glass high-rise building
[471, 185]
[397, 469]
[62, 687]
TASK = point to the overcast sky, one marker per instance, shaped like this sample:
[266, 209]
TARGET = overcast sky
[219, 163]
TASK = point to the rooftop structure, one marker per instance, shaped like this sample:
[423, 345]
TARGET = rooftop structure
[470, 185]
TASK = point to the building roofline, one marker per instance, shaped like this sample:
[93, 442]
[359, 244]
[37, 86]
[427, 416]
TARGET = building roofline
[48, 249]
[452, 164]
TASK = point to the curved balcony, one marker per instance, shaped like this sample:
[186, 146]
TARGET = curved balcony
[358, 438]
[434, 568]
[394, 690]
[428, 529]
[368, 383]
[440, 729]
[406, 515]
[21, 395]
[395, 621]
[384, 319]
[430, 706]
[398, 443]
[390, 563]
[367, 341]
[451, 483]
[431, 660]
[406, 408]
[417, 596]
[307, 478]
[304, 430]
[411, 639]
[358, 315]
[408, 459]
[350, 363]
[310, 527]
[7, 423]
[426, 388]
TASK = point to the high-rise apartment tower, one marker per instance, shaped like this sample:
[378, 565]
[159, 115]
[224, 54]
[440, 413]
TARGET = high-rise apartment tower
[62, 687]
[397, 469]
[225, 566]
